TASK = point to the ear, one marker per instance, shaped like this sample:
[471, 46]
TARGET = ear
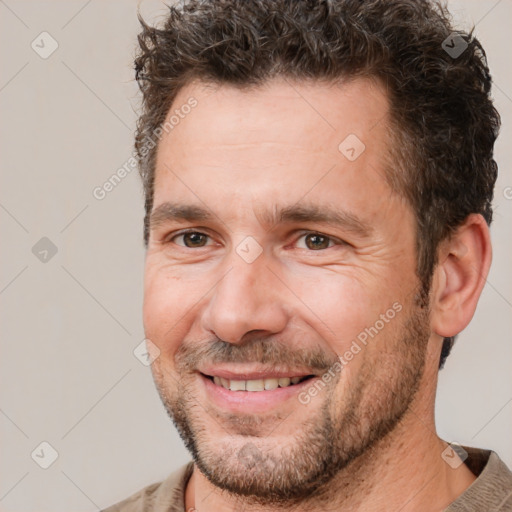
[460, 275]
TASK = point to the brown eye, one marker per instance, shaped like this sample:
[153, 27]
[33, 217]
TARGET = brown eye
[192, 239]
[315, 241]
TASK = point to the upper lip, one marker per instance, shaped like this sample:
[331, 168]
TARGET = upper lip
[254, 373]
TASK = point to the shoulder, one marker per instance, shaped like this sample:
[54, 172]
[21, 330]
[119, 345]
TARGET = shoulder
[492, 490]
[165, 496]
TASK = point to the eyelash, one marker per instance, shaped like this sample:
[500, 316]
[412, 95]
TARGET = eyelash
[336, 241]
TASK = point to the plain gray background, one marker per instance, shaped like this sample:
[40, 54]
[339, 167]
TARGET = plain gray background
[71, 320]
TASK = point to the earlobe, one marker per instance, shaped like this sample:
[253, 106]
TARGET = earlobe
[464, 262]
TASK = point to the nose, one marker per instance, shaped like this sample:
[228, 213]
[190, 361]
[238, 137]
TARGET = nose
[248, 298]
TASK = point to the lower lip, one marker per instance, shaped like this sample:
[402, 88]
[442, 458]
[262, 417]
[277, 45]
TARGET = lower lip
[252, 401]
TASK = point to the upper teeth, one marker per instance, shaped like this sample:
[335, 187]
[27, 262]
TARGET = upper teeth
[255, 385]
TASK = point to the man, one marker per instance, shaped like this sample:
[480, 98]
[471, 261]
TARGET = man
[318, 179]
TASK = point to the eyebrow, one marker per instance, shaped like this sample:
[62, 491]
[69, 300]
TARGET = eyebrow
[322, 214]
[296, 213]
[168, 212]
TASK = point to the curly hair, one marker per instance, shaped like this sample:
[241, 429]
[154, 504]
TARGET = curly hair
[444, 124]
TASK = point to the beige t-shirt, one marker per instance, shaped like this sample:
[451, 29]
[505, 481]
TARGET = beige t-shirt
[490, 492]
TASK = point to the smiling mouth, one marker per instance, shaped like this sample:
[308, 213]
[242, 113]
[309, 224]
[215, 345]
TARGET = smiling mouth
[255, 385]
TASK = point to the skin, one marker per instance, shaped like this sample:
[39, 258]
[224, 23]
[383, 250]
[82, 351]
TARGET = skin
[238, 154]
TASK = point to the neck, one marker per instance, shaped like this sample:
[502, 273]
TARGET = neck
[403, 471]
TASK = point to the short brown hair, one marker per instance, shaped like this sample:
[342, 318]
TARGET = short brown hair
[444, 121]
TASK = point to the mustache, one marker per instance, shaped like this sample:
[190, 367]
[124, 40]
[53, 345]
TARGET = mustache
[266, 351]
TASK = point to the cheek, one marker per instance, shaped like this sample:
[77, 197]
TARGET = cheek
[355, 317]
[339, 304]
[165, 310]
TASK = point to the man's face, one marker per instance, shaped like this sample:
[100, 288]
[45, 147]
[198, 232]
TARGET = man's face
[261, 291]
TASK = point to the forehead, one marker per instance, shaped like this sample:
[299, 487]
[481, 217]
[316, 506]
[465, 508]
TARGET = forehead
[284, 138]
[315, 114]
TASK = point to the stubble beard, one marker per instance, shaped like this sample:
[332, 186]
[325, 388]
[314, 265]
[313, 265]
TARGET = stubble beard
[250, 465]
